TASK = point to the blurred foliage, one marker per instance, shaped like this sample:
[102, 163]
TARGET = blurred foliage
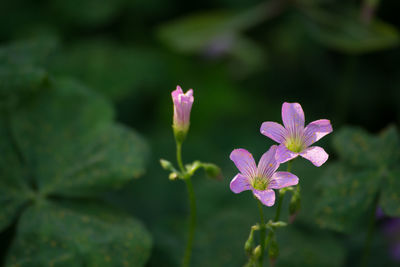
[243, 59]
[59, 143]
[367, 169]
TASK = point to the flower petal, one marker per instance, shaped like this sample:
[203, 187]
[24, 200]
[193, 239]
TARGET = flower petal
[316, 130]
[176, 92]
[268, 164]
[283, 179]
[283, 154]
[244, 161]
[292, 116]
[273, 130]
[315, 154]
[267, 197]
[239, 184]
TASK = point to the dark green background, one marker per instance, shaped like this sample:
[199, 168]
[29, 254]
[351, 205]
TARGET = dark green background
[315, 52]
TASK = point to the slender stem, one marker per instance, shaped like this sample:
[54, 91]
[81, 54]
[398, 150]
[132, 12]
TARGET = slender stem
[281, 196]
[192, 226]
[179, 157]
[262, 232]
[192, 201]
[370, 234]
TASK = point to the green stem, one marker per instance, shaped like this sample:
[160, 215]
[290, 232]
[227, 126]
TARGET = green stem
[179, 157]
[262, 232]
[370, 234]
[192, 226]
[281, 196]
[192, 201]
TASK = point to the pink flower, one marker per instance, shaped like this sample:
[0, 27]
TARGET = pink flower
[294, 139]
[182, 107]
[260, 179]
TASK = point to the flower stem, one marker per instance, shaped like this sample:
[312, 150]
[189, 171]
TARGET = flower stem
[192, 201]
[192, 226]
[281, 196]
[179, 157]
[262, 232]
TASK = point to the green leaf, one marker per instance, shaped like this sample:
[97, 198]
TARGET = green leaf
[197, 31]
[14, 191]
[72, 234]
[348, 34]
[20, 73]
[77, 151]
[389, 147]
[356, 147]
[390, 198]
[346, 196]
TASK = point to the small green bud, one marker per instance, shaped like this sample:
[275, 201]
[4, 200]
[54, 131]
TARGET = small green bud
[277, 224]
[257, 252]
[166, 165]
[212, 170]
[173, 176]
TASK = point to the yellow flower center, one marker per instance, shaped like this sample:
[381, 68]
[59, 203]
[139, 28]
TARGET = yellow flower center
[294, 144]
[259, 183]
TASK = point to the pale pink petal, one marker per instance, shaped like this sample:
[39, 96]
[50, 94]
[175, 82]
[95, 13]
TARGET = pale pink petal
[315, 154]
[268, 164]
[182, 107]
[283, 179]
[267, 197]
[176, 92]
[244, 161]
[283, 154]
[239, 184]
[316, 130]
[274, 130]
[292, 116]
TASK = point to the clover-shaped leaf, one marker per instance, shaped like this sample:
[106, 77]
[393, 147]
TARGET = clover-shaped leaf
[62, 143]
[72, 234]
[366, 175]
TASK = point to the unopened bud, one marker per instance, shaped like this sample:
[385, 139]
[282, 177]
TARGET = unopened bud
[173, 176]
[166, 165]
[212, 170]
[257, 252]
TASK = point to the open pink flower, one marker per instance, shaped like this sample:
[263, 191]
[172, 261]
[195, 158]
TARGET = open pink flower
[182, 107]
[260, 179]
[294, 139]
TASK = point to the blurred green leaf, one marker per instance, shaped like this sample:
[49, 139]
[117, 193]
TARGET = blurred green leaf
[21, 74]
[196, 32]
[62, 142]
[72, 234]
[390, 198]
[346, 196]
[347, 33]
[14, 190]
[367, 167]
[356, 146]
[77, 151]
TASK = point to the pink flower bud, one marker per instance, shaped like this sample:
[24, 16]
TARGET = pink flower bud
[182, 107]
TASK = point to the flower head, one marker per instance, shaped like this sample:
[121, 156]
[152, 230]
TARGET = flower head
[260, 179]
[182, 107]
[294, 138]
